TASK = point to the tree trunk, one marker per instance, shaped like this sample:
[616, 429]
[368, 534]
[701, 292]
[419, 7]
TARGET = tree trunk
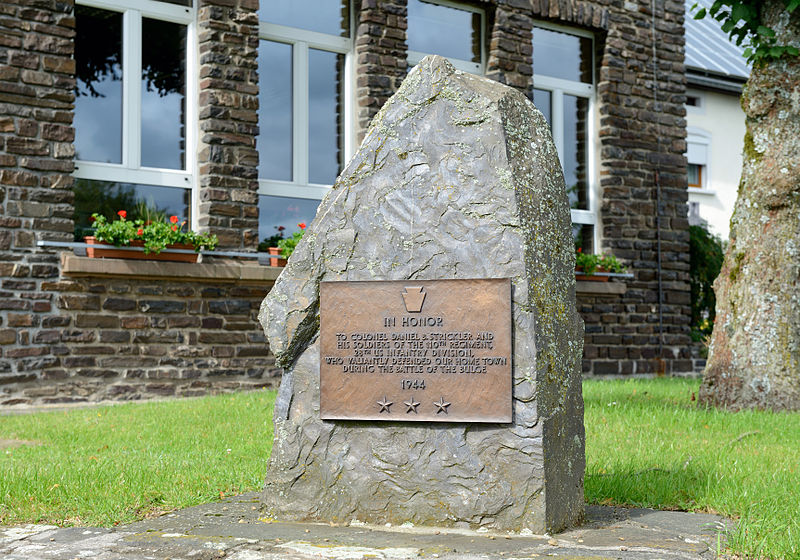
[754, 358]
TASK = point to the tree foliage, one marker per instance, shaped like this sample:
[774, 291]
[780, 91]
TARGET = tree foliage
[742, 21]
[705, 262]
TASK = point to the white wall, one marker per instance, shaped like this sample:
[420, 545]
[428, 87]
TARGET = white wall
[719, 121]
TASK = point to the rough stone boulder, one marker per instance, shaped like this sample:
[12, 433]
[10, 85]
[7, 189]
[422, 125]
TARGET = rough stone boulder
[457, 177]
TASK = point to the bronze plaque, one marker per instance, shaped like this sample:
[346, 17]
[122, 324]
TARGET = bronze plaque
[416, 350]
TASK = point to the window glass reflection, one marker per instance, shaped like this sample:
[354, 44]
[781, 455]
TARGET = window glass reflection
[541, 98]
[276, 212]
[98, 89]
[576, 111]
[324, 116]
[583, 237]
[694, 175]
[442, 30]
[163, 101]
[274, 141]
[325, 16]
[146, 202]
[562, 55]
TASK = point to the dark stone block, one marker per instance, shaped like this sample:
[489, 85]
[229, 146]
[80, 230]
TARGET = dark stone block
[162, 306]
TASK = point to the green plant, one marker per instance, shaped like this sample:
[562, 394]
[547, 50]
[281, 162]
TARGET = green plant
[586, 262]
[272, 240]
[155, 235]
[611, 264]
[705, 262]
[287, 245]
[589, 263]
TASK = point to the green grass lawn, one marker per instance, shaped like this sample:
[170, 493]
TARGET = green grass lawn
[116, 464]
[647, 444]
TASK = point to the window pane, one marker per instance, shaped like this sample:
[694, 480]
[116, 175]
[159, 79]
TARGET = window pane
[562, 55]
[274, 141]
[163, 94]
[542, 100]
[442, 30]
[694, 175]
[325, 16]
[187, 3]
[583, 236]
[98, 90]
[276, 212]
[139, 201]
[324, 116]
[576, 112]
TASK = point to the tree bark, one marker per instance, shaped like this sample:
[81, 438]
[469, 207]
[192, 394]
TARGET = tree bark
[754, 358]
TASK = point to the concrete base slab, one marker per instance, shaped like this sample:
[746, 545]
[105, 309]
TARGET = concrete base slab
[233, 529]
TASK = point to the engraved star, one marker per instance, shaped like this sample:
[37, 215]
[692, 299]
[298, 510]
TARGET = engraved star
[384, 404]
[442, 405]
[411, 406]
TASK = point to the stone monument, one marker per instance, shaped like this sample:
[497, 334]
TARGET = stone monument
[457, 178]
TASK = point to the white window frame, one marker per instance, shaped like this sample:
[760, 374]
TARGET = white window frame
[301, 41]
[131, 170]
[478, 68]
[698, 148]
[558, 88]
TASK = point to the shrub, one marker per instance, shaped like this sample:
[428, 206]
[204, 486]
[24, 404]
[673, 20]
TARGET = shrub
[705, 261]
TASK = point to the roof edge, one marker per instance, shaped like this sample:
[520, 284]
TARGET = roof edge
[710, 80]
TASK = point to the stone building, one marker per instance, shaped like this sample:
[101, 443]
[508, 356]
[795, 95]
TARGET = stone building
[237, 117]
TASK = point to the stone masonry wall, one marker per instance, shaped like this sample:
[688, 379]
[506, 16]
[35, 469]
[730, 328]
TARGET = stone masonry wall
[129, 338]
[643, 138]
[381, 55]
[71, 339]
[510, 51]
[642, 135]
[87, 337]
[36, 151]
[227, 158]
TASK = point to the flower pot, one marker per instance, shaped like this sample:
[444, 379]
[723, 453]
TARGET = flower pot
[100, 250]
[276, 261]
[591, 277]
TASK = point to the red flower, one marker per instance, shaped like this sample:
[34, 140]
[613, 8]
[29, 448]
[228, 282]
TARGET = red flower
[122, 214]
[173, 219]
[302, 225]
[281, 228]
[92, 218]
[174, 228]
[140, 231]
[580, 250]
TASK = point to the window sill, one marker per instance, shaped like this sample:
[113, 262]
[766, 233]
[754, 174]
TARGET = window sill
[702, 192]
[226, 273]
